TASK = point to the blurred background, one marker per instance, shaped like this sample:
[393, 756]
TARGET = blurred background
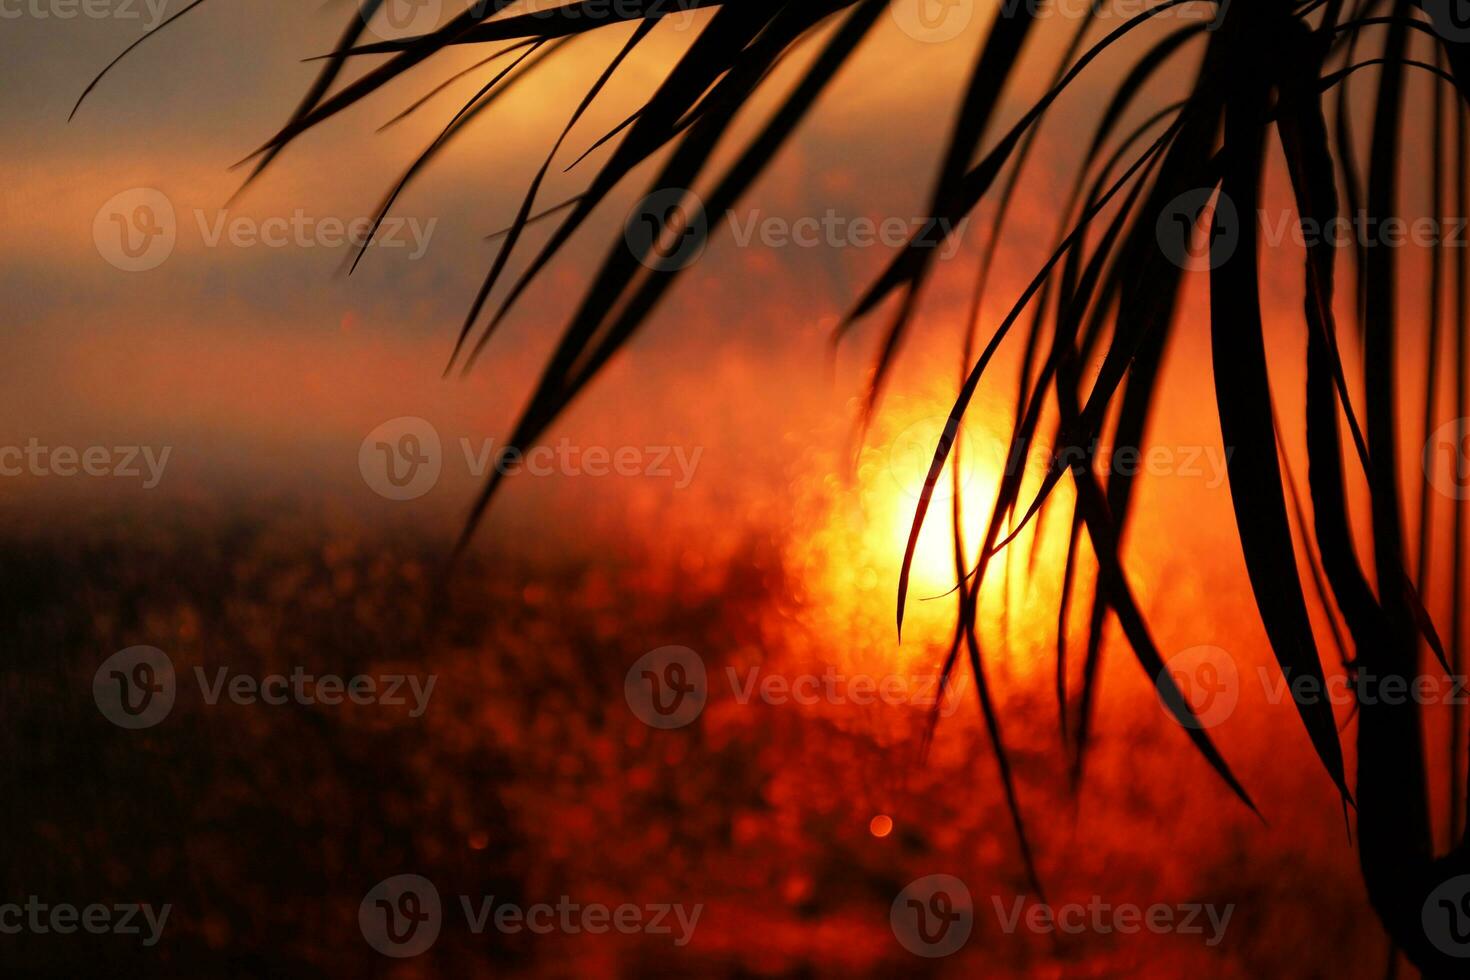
[751, 525]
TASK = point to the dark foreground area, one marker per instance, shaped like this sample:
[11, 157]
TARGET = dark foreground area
[778, 835]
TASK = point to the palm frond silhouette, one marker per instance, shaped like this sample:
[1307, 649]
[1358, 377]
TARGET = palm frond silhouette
[1265, 78]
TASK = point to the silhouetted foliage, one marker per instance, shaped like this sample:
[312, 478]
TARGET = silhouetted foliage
[1264, 74]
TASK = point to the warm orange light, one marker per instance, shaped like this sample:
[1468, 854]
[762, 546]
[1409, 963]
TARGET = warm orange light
[881, 825]
[854, 525]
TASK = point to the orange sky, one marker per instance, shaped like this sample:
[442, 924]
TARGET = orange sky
[264, 368]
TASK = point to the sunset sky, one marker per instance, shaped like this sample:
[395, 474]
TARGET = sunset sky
[265, 369]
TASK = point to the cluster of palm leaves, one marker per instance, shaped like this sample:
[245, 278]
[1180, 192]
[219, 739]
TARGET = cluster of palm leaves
[1262, 76]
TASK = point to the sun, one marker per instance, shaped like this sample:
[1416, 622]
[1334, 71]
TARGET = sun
[908, 451]
[852, 525]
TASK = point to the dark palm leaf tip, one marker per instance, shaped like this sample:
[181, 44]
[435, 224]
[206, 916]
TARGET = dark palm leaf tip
[477, 104]
[1416, 606]
[564, 20]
